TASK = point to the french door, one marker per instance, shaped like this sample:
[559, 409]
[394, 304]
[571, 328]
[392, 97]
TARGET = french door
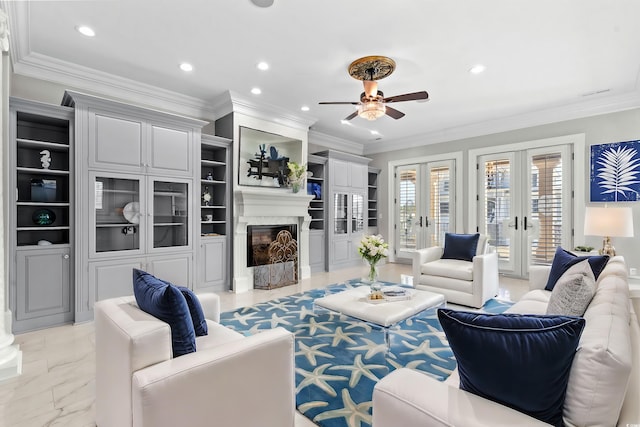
[425, 206]
[524, 205]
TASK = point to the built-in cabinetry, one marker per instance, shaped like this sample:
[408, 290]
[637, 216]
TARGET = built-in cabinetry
[137, 177]
[41, 218]
[347, 196]
[215, 214]
[317, 187]
[372, 196]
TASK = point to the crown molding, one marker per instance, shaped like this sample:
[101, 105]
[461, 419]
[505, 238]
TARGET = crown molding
[595, 107]
[231, 102]
[334, 143]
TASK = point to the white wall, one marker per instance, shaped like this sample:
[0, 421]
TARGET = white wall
[614, 127]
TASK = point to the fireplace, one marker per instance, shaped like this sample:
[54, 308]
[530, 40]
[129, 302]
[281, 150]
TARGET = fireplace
[272, 251]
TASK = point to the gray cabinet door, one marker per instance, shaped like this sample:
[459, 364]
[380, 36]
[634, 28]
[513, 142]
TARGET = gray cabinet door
[358, 176]
[339, 173]
[116, 143]
[170, 150]
[213, 265]
[316, 250]
[175, 268]
[114, 278]
[43, 288]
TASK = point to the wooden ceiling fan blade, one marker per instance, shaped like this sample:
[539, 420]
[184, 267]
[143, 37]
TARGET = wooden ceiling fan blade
[352, 115]
[415, 96]
[338, 103]
[392, 112]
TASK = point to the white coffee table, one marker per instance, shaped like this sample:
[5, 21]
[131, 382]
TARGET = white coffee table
[354, 303]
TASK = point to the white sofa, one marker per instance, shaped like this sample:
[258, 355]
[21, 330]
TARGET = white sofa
[230, 380]
[469, 283]
[604, 375]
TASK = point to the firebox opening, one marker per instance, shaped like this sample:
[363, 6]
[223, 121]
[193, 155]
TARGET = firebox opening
[260, 237]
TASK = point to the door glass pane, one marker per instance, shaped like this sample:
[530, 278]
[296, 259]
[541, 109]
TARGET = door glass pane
[170, 214]
[497, 214]
[407, 205]
[546, 206]
[357, 213]
[439, 205]
[117, 212]
[340, 213]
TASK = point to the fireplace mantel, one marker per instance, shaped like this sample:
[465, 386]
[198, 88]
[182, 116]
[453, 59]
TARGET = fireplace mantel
[268, 206]
[274, 202]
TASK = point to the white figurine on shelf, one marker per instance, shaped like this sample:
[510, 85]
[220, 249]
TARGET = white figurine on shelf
[45, 159]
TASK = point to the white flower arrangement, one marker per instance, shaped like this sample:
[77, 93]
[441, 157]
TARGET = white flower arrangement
[373, 248]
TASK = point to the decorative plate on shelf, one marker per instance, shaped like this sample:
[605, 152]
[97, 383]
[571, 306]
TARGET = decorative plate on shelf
[43, 217]
[131, 212]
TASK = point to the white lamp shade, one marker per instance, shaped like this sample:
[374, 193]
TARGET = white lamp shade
[612, 222]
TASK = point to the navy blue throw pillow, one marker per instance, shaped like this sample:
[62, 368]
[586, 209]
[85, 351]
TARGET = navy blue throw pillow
[195, 309]
[460, 246]
[563, 260]
[520, 361]
[164, 301]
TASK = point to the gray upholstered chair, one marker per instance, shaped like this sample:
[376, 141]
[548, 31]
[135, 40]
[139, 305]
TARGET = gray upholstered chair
[469, 283]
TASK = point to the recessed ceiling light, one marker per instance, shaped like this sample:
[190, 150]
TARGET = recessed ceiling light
[304, 108]
[263, 66]
[375, 132]
[262, 3]
[345, 122]
[85, 31]
[477, 69]
[256, 91]
[185, 66]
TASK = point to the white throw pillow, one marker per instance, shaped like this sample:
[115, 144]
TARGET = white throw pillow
[573, 291]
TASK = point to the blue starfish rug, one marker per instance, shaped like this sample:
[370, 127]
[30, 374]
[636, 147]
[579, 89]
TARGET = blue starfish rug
[339, 358]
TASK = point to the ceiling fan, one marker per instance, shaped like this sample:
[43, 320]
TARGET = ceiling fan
[372, 104]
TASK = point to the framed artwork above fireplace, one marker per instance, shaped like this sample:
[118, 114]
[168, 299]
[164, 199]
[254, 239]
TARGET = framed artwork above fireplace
[264, 156]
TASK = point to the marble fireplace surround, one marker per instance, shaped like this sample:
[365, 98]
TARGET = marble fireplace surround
[268, 206]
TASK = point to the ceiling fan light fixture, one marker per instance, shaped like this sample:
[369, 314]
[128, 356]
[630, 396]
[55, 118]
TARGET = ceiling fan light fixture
[371, 110]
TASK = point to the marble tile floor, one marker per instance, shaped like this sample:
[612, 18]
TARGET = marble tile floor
[57, 386]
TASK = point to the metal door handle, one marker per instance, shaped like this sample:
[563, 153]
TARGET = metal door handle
[525, 223]
[65, 256]
[420, 222]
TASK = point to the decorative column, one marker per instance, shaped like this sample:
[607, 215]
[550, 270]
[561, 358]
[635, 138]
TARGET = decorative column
[10, 355]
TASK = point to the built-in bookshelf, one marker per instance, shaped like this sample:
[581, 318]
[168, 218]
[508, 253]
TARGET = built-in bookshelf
[316, 187]
[372, 199]
[214, 187]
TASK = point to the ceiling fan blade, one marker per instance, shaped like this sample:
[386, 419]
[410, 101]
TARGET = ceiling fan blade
[392, 112]
[408, 97]
[338, 103]
[352, 115]
[370, 88]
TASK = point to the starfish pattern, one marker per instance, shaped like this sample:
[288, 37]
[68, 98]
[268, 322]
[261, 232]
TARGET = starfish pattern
[339, 336]
[436, 333]
[411, 365]
[304, 312]
[424, 348]
[311, 352]
[319, 379]
[314, 326]
[358, 324]
[408, 333]
[359, 369]
[276, 320]
[242, 318]
[279, 305]
[353, 413]
[372, 348]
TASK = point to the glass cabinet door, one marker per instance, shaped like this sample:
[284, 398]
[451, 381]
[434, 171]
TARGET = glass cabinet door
[357, 213]
[170, 214]
[340, 213]
[117, 214]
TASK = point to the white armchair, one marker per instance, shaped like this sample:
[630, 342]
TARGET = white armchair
[469, 283]
[138, 383]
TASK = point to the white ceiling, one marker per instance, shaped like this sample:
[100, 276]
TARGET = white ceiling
[546, 60]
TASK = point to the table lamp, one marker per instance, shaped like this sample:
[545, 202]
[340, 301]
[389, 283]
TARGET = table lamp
[608, 222]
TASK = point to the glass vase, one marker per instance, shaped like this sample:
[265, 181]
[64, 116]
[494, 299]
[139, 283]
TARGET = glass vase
[295, 186]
